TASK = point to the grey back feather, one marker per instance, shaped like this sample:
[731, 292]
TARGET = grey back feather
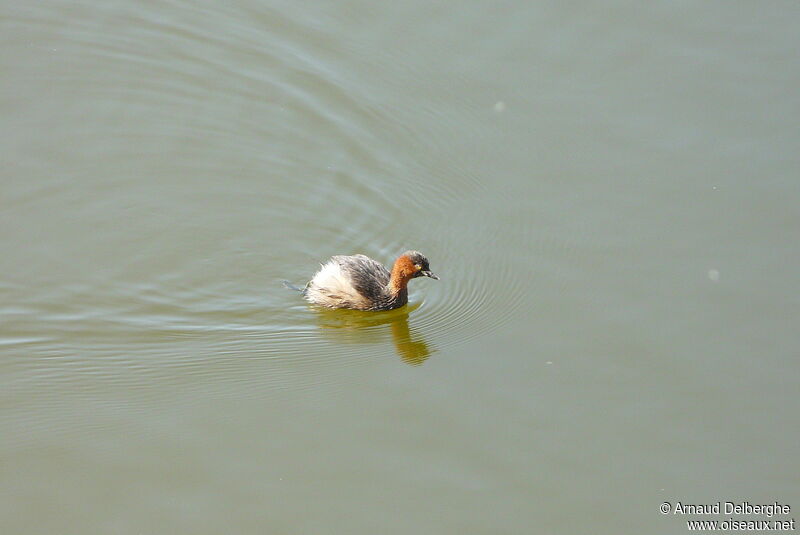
[369, 277]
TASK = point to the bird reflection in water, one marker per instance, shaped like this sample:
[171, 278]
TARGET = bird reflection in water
[360, 327]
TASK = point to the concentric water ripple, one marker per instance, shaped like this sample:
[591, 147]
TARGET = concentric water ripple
[232, 160]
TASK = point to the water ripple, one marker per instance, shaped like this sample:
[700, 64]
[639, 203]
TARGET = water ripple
[234, 155]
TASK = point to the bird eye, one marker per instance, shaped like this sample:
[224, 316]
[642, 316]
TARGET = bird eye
[417, 267]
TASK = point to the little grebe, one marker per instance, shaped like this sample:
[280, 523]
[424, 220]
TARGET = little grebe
[361, 283]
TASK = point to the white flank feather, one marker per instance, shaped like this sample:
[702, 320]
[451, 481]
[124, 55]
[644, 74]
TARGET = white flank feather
[330, 286]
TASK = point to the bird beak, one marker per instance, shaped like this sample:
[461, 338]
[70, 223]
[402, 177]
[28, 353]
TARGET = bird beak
[430, 274]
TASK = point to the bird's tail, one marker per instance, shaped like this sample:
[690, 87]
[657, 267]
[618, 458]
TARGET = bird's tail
[292, 286]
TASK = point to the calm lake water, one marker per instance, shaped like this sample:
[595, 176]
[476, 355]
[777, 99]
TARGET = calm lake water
[610, 193]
